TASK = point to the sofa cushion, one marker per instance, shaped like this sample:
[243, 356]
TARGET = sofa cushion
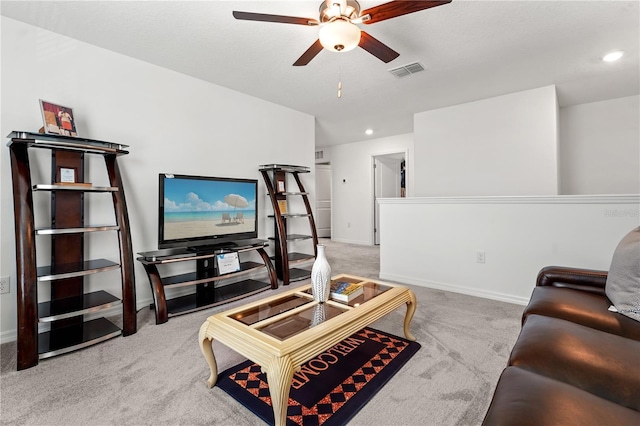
[525, 398]
[601, 363]
[623, 281]
[581, 307]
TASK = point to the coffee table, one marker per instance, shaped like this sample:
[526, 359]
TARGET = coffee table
[282, 332]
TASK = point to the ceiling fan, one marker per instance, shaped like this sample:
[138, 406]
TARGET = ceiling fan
[338, 29]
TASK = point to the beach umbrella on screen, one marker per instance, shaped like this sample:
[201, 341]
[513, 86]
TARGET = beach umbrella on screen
[235, 200]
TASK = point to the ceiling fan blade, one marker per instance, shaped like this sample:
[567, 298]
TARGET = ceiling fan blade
[309, 54]
[397, 8]
[265, 17]
[377, 48]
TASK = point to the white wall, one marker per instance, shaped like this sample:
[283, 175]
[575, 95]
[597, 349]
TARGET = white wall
[352, 185]
[172, 122]
[600, 147]
[505, 145]
[433, 242]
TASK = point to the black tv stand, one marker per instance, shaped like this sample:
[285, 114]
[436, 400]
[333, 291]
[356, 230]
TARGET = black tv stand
[206, 277]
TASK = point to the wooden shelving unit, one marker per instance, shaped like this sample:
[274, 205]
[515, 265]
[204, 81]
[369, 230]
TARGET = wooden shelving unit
[65, 312]
[205, 278]
[276, 178]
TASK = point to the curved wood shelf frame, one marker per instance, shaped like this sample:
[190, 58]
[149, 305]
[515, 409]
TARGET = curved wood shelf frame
[67, 231]
[272, 174]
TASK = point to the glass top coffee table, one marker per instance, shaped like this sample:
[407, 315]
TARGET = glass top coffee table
[282, 332]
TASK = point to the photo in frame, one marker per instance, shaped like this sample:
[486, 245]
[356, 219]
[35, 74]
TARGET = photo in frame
[228, 263]
[66, 175]
[58, 119]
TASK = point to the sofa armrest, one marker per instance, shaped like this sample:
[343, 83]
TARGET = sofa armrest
[575, 278]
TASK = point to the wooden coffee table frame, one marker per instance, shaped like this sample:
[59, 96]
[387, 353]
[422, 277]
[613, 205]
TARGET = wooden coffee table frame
[279, 359]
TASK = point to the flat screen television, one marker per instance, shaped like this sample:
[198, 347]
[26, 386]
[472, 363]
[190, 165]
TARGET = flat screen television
[198, 211]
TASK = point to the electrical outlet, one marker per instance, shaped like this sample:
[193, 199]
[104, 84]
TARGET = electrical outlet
[480, 257]
[5, 285]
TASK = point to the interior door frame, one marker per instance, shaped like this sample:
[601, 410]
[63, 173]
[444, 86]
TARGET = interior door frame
[328, 164]
[405, 155]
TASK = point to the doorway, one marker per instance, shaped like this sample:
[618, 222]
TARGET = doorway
[389, 172]
[323, 200]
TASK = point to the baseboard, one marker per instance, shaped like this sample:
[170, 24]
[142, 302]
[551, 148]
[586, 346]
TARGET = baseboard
[8, 336]
[485, 294]
[360, 243]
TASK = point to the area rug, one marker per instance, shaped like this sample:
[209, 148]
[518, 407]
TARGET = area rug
[330, 388]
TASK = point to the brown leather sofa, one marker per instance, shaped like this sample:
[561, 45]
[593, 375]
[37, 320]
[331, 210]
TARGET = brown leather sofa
[574, 362]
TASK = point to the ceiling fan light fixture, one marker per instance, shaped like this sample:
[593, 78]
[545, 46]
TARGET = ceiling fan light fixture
[339, 36]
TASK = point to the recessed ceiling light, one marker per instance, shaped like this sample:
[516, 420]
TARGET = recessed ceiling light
[613, 56]
[369, 132]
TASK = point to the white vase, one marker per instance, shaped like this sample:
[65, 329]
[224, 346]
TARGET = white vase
[320, 276]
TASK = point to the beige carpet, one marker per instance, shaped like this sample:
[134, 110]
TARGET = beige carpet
[157, 376]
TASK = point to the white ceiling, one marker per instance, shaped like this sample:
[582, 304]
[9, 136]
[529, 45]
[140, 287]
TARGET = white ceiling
[471, 50]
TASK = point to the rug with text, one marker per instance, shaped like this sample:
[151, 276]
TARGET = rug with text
[330, 388]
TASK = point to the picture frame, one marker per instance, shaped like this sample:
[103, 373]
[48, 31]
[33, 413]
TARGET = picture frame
[228, 263]
[67, 174]
[282, 205]
[58, 119]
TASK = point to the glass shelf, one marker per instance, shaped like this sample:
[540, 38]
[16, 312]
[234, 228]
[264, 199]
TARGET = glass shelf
[69, 307]
[70, 270]
[295, 237]
[297, 274]
[299, 257]
[285, 168]
[43, 140]
[225, 294]
[191, 278]
[291, 215]
[74, 337]
[81, 188]
[60, 231]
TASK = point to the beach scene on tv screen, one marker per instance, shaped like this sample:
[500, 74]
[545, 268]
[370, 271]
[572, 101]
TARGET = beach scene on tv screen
[201, 208]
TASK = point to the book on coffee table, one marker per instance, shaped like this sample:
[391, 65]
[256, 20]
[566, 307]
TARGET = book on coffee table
[344, 291]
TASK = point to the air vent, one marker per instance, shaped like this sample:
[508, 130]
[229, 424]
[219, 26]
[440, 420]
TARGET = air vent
[407, 70]
[319, 155]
